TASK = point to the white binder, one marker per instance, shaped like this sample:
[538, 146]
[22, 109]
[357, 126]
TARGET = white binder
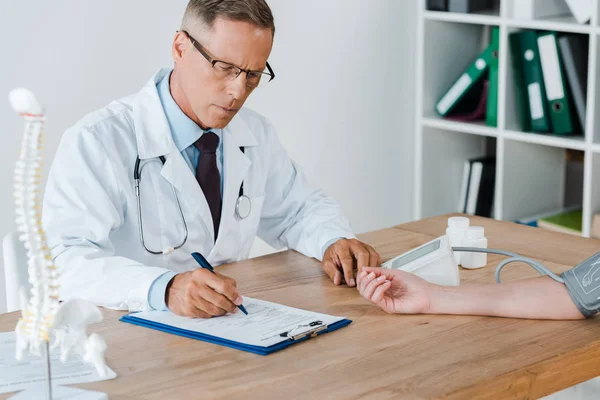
[539, 9]
[581, 9]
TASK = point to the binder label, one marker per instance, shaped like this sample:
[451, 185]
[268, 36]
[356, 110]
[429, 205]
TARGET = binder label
[459, 87]
[551, 67]
[535, 101]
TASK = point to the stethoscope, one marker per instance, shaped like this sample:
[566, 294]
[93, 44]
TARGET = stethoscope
[243, 206]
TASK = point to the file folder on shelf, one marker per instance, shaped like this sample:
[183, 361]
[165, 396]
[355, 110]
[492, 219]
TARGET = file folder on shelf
[472, 107]
[491, 118]
[529, 82]
[540, 9]
[581, 9]
[532, 220]
[478, 187]
[437, 5]
[565, 222]
[470, 6]
[268, 328]
[554, 80]
[465, 82]
[574, 55]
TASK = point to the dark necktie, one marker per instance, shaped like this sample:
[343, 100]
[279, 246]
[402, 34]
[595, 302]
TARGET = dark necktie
[207, 175]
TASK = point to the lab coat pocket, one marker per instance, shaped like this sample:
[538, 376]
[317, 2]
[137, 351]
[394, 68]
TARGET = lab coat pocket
[249, 226]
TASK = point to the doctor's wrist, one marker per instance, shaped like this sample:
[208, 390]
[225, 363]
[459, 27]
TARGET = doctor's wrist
[174, 288]
[157, 291]
[329, 244]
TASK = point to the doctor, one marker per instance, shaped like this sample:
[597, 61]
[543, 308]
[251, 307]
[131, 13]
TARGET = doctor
[212, 175]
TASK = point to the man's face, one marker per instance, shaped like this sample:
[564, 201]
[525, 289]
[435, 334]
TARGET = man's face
[214, 101]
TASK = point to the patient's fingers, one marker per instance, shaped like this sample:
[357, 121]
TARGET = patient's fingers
[365, 281]
[359, 279]
[380, 291]
[372, 286]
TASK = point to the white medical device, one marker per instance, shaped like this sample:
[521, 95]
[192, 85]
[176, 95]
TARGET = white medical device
[434, 261]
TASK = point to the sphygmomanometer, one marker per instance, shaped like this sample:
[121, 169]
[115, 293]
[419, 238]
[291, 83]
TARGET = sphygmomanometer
[435, 262]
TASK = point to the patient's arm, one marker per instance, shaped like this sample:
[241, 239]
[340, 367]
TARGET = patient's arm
[401, 292]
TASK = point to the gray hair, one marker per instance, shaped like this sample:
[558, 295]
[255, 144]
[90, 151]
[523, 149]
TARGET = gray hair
[203, 13]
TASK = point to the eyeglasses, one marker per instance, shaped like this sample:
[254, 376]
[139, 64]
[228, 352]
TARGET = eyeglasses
[225, 70]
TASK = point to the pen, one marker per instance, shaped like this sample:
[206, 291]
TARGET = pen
[206, 265]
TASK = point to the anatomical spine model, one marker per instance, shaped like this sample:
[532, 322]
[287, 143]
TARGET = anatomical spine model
[42, 315]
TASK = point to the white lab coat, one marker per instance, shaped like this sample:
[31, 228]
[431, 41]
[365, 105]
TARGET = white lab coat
[90, 208]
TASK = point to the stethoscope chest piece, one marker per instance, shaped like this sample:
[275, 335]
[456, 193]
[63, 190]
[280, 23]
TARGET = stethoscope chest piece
[243, 207]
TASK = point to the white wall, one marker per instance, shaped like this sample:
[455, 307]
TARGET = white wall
[342, 100]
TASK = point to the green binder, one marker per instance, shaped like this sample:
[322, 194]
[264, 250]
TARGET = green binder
[465, 82]
[556, 88]
[491, 116]
[529, 82]
[569, 221]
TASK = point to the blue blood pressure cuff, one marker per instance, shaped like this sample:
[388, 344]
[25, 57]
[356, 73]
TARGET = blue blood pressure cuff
[583, 284]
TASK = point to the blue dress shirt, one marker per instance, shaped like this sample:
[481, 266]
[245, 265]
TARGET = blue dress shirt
[185, 132]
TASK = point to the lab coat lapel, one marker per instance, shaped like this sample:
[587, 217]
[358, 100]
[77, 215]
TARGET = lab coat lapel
[235, 168]
[154, 139]
[152, 133]
[179, 174]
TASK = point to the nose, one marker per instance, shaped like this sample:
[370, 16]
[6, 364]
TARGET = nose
[237, 88]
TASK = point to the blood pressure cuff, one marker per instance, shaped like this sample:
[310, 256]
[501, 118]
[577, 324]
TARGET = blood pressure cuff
[583, 284]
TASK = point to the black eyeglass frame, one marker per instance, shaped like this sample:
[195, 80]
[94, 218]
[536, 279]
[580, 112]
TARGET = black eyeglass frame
[213, 61]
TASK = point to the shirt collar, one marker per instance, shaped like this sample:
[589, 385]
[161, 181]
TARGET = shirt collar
[184, 131]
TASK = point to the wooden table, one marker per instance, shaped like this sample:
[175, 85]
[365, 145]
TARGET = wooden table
[378, 355]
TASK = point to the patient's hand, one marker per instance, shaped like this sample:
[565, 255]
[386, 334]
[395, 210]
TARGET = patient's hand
[395, 291]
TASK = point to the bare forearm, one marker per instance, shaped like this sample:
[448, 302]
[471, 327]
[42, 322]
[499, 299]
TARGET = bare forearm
[537, 298]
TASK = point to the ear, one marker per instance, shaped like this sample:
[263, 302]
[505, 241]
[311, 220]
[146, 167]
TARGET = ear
[180, 46]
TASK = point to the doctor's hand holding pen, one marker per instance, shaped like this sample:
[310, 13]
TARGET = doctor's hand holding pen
[202, 294]
[345, 256]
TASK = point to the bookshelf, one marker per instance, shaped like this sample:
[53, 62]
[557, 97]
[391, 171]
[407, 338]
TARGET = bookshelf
[530, 167]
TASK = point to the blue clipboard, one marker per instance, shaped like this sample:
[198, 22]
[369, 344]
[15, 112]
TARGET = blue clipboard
[263, 351]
